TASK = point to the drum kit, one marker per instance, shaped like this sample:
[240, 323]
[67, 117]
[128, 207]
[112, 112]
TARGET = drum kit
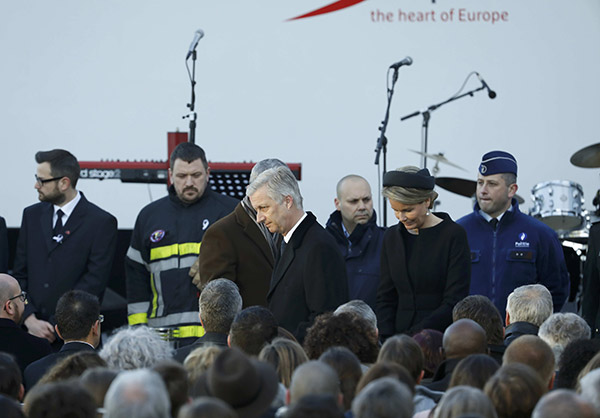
[557, 203]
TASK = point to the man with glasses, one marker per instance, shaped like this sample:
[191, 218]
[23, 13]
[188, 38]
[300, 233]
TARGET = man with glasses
[25, 347]
[78, 322]
[65, 242]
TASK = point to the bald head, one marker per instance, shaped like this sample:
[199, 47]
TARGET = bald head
[534, 352]
[464, 337]
[354, 201]
[12, 308]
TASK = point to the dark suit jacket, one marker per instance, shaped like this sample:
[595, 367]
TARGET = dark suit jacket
[590, 303]
[234, 248]
[47, 269]
[309, 278]
[37, 369]
[25, 347]
[210, 338]
[3, 246]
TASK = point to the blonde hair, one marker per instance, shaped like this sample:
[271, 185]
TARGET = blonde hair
[409, 195]
[199, 361]
[285, 355]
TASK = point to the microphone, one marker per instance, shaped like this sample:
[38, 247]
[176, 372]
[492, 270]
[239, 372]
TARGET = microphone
[405, 61]
[197, 36]
[491, 93]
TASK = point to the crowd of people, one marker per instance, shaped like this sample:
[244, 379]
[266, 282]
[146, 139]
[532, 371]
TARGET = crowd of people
[251, 308]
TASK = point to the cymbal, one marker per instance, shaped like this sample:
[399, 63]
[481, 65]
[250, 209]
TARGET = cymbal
[588, 157]
[438, 157]
[463, 187]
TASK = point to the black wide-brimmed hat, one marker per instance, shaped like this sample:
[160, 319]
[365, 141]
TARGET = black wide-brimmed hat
[247, 385]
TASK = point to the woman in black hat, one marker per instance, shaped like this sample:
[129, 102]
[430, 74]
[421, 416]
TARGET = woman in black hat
[425, 262]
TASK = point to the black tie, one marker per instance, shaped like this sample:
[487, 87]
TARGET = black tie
[282, 248]
[58, 226]
[494, 223]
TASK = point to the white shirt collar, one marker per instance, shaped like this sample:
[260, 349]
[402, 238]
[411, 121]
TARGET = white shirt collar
[288, 236]
[67, 208]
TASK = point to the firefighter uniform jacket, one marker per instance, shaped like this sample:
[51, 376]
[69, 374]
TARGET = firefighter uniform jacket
[164, 245]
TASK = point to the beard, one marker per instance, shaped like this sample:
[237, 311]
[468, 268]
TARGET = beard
[55, 197]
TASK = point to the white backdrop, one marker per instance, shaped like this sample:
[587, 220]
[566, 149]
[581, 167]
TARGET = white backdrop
[106, 79]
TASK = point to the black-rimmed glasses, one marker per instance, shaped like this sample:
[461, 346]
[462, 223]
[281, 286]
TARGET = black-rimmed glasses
[41, 181]
[22, 296]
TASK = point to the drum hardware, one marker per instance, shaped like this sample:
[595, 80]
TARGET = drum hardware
[588, 157]
[438, 158]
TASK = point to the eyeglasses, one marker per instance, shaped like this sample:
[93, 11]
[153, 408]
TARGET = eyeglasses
[22, 296]
[101, 318]
[41, 181]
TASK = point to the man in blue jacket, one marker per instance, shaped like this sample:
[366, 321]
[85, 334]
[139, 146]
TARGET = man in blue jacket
[354, 227]
[508, 248]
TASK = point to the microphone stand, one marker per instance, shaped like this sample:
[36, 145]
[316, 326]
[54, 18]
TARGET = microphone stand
[427, 116]
[191, 104]
[382, 141]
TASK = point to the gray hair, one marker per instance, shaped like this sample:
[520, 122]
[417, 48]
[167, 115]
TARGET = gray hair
[137, 394]
[562, 328]
[264, 165]
[530, 303]
[135, 348]
[383, 398]
[360, 308]
[590, 388]
[561, 403]
[409, 195]
[314, 377]
[219, 303]
[465, 400]
[280, 182]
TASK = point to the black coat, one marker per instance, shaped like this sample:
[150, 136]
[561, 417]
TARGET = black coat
[210, 338]
[309, 278]
[590, 304]
[26, 348]
[421, 294]
[3, 246]
[37, 369]
[47, 269]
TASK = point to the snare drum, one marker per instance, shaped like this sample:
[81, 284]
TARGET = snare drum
[559, 204]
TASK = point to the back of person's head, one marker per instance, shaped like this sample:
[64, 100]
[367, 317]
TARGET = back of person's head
[474, 370]
[10, 407]
[461, 400]
[344, 329]
[589, 388]
[530, 303]
[137, 394]
[430, 341]
[62, 164]
[76, 312]
[136, 347]
[264, 165]
[11, 381]
[562, 328]
[207, 407]
[59, 400]
[96, 381]
[403, 350]
[188, 152]
[464, 337]
[73, 366]
[514, 390]
[314, 377]
[175, 378]
[359, 308]
[315, 406]
[252, 328]
[386, 369]
[348, 368]
[534, 352]
[573, 359]
[284, 355]
[220, 301]
[383, 398]
[562, 403]
[481, 310]
[199, 361]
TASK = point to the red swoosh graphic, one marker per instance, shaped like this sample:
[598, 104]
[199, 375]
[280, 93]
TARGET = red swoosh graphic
[335, 6]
